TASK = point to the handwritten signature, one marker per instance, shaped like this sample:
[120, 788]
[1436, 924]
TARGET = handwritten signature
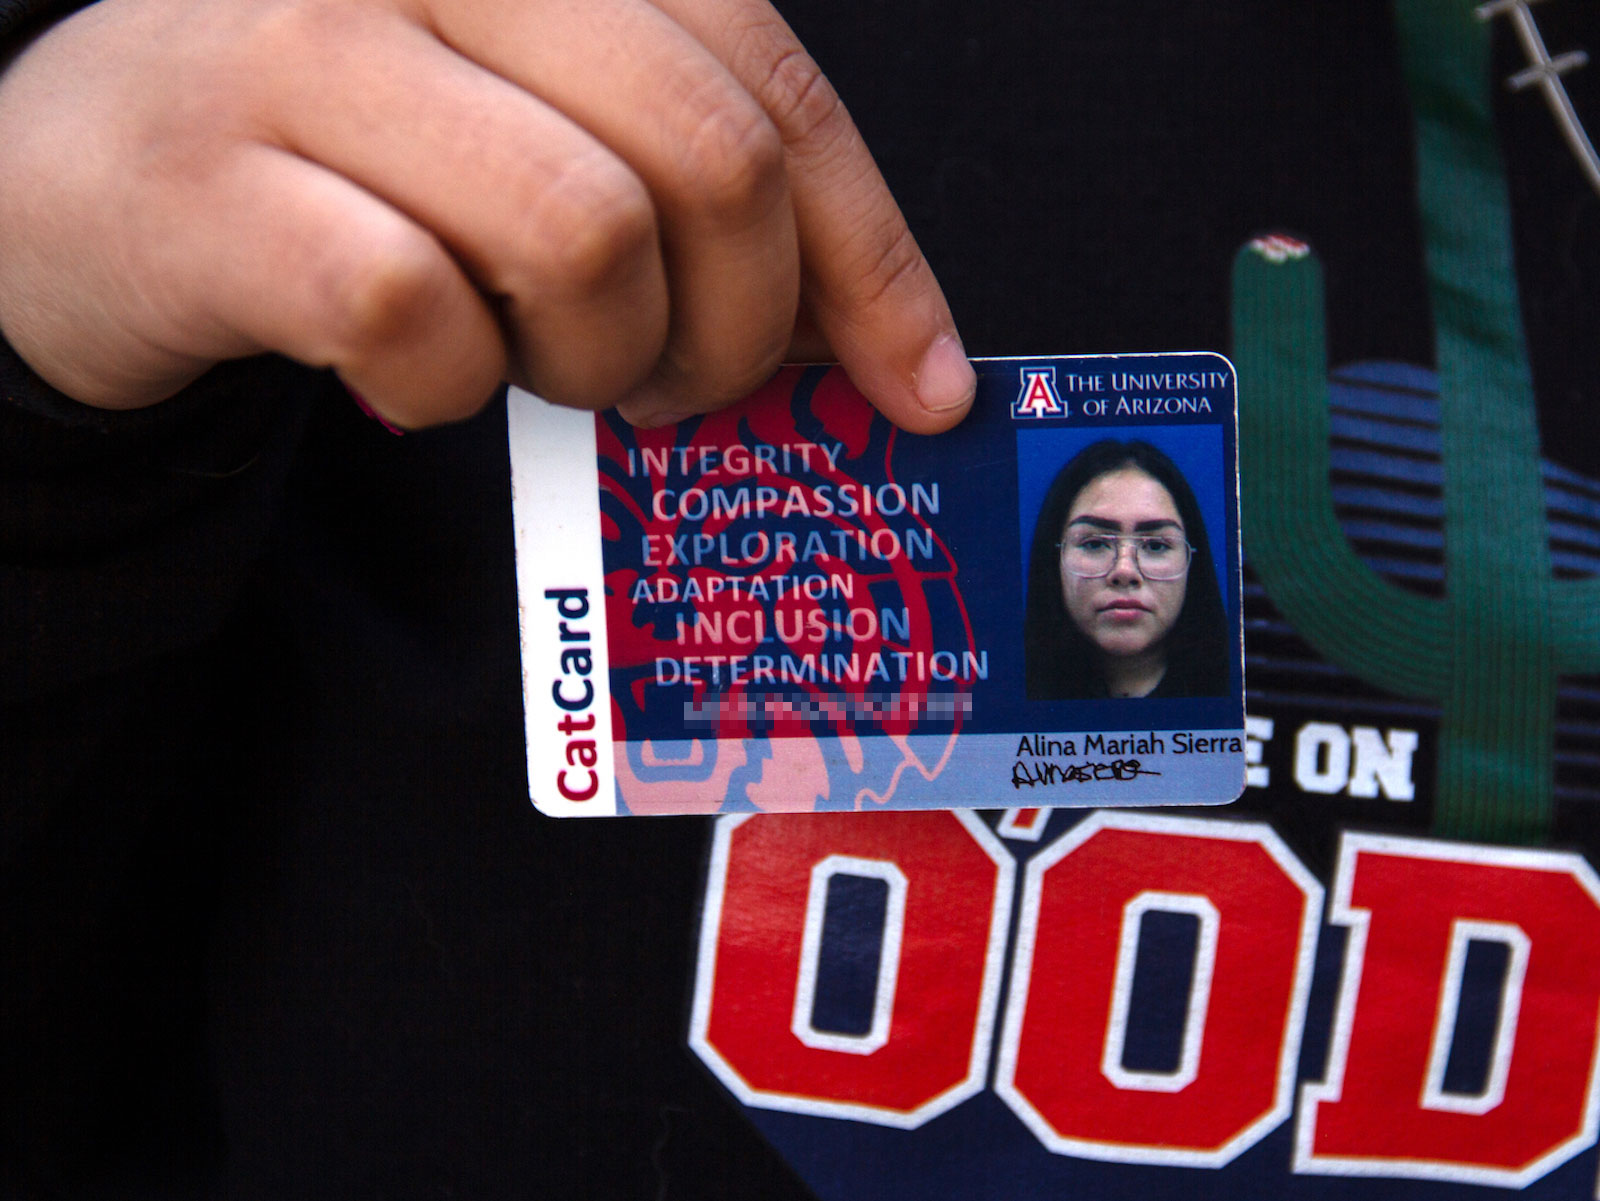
[1031, 774]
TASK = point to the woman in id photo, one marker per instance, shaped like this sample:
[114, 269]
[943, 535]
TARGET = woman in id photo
[1122, 592]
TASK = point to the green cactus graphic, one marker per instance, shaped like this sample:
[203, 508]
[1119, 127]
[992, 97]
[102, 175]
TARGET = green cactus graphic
[1489, 652]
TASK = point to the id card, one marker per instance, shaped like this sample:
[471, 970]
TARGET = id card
[792, 605]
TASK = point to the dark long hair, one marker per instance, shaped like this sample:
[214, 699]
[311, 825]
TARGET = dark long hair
[1061, 661]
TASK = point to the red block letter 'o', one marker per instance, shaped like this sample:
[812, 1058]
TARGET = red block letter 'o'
[1058, 1067]
[1411, 905]
[950, 900]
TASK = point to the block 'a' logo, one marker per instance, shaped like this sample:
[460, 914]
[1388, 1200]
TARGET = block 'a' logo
[1038, 396]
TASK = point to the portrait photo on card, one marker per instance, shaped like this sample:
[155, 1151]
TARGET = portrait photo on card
[1126, 571]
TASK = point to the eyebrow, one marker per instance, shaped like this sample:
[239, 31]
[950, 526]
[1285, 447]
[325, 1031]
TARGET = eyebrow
[1141, 527]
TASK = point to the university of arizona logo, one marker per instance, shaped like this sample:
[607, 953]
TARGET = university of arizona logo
[1038, 396]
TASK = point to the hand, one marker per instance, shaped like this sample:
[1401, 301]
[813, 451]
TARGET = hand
[605, 201]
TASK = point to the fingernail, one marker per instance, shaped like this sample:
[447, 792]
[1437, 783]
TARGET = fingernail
[361, 403]
[945, 380]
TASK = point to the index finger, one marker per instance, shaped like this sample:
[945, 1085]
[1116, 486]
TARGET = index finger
[865, 282]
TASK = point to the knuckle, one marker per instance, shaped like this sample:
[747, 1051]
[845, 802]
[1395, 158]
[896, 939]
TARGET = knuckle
[802, 102]
[733, 162]
[888, 260]
[381, 296]
[589, 230]
[291, 27]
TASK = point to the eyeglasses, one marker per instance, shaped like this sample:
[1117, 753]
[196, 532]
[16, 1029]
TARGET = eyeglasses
[1089, 555]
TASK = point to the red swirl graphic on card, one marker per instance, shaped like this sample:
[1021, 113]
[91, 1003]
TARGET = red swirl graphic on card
[774, 599]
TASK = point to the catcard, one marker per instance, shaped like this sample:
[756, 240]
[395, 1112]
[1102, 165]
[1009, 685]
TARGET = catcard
[792, 605]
